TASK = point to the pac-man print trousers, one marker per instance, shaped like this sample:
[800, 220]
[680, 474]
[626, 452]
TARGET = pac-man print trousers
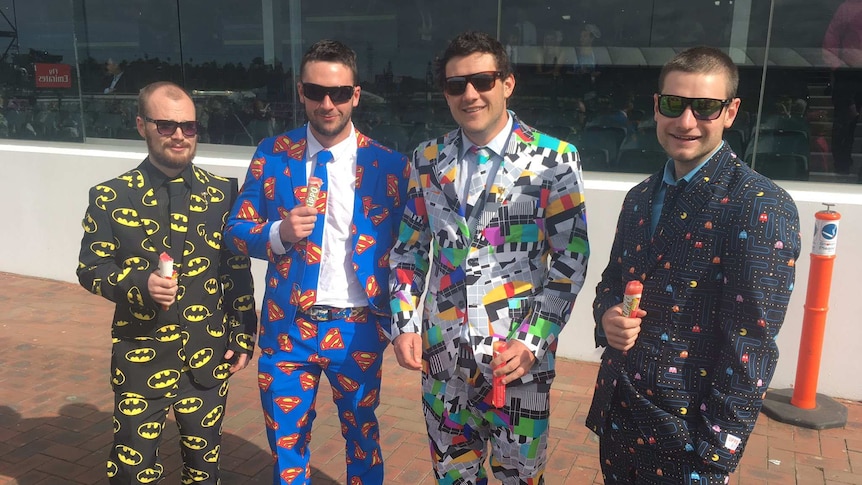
[350, 353]
[461, 421]
[626, 458]
[138, 426]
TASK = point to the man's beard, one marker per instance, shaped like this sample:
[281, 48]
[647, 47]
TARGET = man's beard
[335, 130]
[161, 156]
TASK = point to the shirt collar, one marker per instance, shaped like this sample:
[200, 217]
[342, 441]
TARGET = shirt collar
[339, 150]
[669, 177]
[158, 178]
[497, 144]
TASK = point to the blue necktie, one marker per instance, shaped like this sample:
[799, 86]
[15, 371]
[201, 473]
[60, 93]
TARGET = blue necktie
[314, 242]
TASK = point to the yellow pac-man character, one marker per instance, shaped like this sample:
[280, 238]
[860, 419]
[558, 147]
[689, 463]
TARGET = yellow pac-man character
[212, 417]
[212, 455]
[168, 333]
[196, 313]
[201, 358]
[164, 379]
[188, 405]
[141, 355]
[193, 442]
[150, 431]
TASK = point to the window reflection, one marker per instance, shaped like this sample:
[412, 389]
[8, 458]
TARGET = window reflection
[586, 70]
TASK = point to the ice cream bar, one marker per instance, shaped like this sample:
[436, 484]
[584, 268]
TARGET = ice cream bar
[314, 184]
[632, 298]
[498, 390]
[166, 265]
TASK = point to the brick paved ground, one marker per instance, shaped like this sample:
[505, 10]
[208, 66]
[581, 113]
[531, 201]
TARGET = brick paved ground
[55, 425]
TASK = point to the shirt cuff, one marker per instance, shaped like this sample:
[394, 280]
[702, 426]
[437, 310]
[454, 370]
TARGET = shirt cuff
[275, 239]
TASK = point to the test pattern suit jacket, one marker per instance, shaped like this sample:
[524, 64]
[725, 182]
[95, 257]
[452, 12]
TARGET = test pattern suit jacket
[516, 275]
[214, 311]
[275, 184]
[717, 278]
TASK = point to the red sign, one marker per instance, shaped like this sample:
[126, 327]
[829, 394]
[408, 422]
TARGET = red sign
[53, 75]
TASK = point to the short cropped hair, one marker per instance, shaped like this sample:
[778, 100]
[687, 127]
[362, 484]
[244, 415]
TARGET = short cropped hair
[468, 43]
[703, 60]
[172, 91]
[328, 50]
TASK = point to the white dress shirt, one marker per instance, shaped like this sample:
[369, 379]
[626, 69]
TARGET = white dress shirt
[337, 284]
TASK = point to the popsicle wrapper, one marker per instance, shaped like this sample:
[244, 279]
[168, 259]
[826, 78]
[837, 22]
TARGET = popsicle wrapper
[314, 184]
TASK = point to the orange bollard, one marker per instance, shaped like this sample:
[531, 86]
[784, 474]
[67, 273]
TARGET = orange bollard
[816, 307]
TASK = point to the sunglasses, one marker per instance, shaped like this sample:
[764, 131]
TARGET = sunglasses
[169, 127]
[481, 81]
[704, 109]
[337, 94]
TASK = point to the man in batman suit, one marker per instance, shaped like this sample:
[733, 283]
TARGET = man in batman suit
[714, 243]
[175, 340]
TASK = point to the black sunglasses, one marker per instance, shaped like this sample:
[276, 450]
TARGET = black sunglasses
[704, 109]
[169, 127]
[482, 81]
[337, 94]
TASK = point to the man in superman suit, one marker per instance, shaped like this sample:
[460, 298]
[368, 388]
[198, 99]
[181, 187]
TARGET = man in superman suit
[326, 296]
[175, 340]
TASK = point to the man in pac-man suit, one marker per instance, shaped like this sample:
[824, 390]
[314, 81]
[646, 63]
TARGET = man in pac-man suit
[714, 244]
[328, 253]
[508, 228]
[176, 340]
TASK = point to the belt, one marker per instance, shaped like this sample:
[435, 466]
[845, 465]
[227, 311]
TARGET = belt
[323, 313]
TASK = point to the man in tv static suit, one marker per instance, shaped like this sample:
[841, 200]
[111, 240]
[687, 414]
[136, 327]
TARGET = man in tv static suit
[715, 244]
[509, 257]
[326, 295]
[175, 341]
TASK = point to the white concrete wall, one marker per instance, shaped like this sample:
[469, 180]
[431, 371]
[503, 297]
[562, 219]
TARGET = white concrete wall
[43, 188]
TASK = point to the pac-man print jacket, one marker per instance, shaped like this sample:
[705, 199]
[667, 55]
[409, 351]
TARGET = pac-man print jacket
[515, 277]
[214, 311]
[276, 183]
[717, 278]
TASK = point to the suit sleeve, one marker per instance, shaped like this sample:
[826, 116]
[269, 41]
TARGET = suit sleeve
[98, 270]
[409, 260]
[565, 224]
[759, 272]
[236, 280]
[247, 228]
[609, 291]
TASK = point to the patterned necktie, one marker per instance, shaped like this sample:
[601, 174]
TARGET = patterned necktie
[478, 179]
[314, 242]
[178, 216]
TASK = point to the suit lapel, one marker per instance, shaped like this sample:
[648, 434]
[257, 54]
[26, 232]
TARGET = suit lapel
[142, 198]
[446, 168]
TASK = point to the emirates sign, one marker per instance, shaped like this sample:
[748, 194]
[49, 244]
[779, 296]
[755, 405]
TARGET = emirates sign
[53, 76]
